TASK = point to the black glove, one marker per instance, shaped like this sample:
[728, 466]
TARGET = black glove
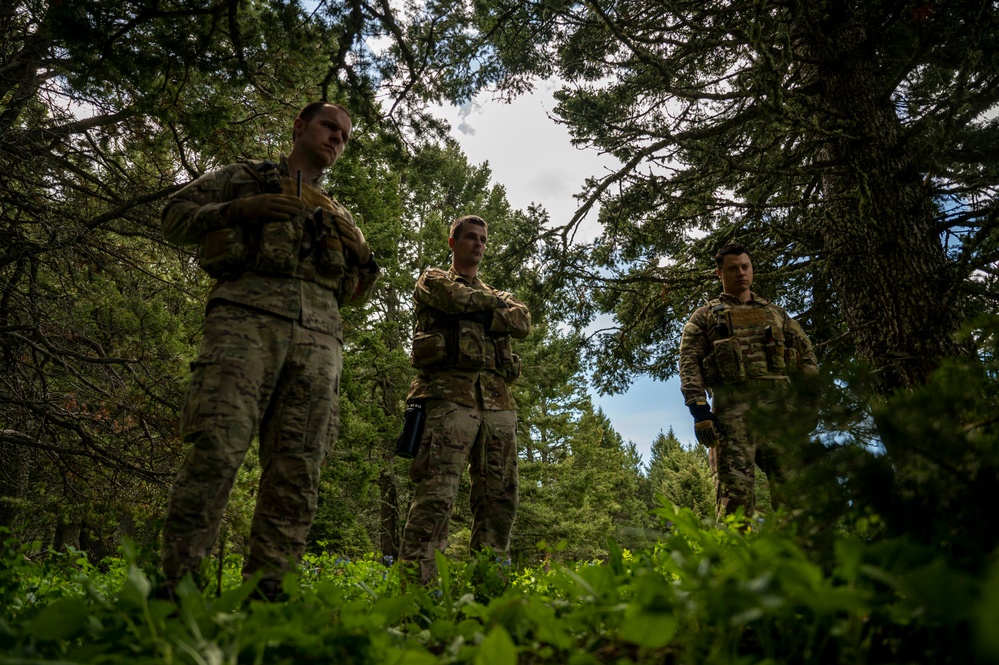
[707, 429]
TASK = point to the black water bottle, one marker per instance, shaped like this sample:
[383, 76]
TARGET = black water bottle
[408, 443]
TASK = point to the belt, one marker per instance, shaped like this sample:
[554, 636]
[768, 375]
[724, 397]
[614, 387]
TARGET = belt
[770, 382]
[777, 382]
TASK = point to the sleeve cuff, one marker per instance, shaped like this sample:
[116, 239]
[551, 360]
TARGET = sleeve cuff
[371, 266]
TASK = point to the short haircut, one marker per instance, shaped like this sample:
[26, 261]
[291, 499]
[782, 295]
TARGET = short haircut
[311, 110]
[734, 249]
[470, 219]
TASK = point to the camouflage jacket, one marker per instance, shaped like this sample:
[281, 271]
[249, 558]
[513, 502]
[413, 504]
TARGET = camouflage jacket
[727, 342]
[197, 211]
[461, 343]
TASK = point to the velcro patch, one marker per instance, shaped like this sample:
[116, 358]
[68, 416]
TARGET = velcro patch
[744, 318]
[311, 196]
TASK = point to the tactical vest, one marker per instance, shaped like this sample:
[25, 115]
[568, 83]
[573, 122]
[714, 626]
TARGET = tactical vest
[307, 247]
[746, 343]
[465, 345]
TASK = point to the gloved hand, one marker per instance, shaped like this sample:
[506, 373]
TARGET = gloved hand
[263, 208]
[707, 429]
[353, 240]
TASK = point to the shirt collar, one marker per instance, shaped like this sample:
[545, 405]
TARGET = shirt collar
[455, 275]
[728, 298]
[283, 170]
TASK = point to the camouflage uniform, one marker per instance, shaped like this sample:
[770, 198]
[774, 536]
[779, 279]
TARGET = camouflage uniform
[269, 363]
[462, 348]
[743, 355]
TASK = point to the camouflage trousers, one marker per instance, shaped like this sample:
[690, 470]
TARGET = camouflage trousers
[734, 460]
[454, 437]
[255, 373]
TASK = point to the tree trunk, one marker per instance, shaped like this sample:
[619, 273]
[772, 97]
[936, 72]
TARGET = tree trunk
[14, 474]
[67, 533]
[881, 249]
[391, 525]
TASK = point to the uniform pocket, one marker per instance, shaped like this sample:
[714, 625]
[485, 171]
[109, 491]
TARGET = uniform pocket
[279, 246]
[792, 359]
[728, 360]
[330, 260]
[429, 349]
[471, 345]
[222, 251]
[291, 420]
[200, 411]
[775, 357]
[430, 445]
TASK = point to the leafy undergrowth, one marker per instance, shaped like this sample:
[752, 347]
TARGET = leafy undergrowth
[704, 595]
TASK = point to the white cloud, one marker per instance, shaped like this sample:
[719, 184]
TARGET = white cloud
[528, 152]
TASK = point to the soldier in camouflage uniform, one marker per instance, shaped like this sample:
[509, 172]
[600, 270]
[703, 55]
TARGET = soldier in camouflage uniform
[461, 346]
[742, 350]
[286, 257]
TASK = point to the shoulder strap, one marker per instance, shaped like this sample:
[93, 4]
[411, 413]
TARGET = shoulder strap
[268, 173]
[717, 317]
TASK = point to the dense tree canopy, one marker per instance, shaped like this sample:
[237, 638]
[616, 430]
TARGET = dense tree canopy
[852, 145]
[106, 108]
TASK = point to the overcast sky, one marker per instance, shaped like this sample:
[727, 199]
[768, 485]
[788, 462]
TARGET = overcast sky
[533, 158]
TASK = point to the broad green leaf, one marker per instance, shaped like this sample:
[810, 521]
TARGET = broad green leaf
[136, 588]
[393, 608]
[648, 629]
[444, 571]
[497, 649]
[60, 620]
[411, 657]
[944, 593]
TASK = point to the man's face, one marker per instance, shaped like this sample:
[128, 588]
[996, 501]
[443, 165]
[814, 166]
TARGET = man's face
[324, 137]
[736, 274]
[469, 245]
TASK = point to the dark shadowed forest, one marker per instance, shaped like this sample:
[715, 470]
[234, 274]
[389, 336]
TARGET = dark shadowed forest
[854, 146]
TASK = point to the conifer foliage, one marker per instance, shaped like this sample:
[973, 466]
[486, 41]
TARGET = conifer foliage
[852, 145]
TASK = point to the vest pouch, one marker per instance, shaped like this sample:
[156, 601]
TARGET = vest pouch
[775, 358]
[330, 260]
[277, 252]
[709, 369]
[429, 349]
[347, 287]
[792, 359]
[222, 252]
[728, 360]
[471, 346]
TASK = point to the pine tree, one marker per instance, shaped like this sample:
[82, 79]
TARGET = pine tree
[849, 144]
[680, 476]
